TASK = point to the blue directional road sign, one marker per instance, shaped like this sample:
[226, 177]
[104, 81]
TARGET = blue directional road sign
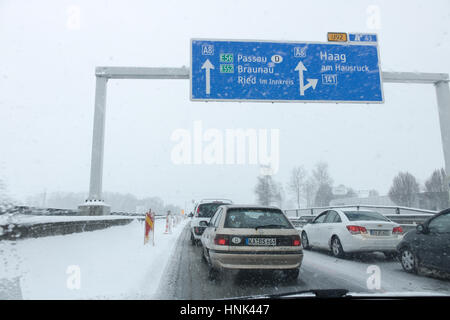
[235, 70]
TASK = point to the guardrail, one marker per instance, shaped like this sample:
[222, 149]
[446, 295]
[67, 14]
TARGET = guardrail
[407, 218]
[385, 210]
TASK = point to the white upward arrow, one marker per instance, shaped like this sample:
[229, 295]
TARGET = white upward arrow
[311, 82]
[208, 66]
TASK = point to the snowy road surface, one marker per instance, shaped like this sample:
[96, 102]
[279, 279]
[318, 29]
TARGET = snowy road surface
[187, 276]
[112, 264]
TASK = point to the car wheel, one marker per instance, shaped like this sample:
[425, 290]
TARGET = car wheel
[204, 256]
[305, 241]
[213, 273]
[292, 274]
[193, 241]
[408, 260]
[336, 248]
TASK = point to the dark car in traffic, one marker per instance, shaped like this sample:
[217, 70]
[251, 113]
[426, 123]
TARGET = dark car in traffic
[203, 212]
[427, 246]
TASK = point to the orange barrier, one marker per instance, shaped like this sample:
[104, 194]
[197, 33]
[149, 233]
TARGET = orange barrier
[149, 227]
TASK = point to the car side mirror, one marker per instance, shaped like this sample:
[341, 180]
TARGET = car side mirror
[421, 229]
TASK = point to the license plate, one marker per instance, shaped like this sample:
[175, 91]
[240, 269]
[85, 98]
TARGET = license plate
[261, 241]
[379, 233]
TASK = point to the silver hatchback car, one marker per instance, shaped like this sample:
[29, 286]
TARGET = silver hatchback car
[251, 237]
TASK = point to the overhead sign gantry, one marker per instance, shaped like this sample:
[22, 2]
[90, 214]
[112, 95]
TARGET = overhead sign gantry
[268, 71]
[309, 85]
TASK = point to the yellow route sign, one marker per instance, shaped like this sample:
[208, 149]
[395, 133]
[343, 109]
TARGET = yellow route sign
[337, 36]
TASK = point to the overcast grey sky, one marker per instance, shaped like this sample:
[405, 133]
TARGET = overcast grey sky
[47, 62]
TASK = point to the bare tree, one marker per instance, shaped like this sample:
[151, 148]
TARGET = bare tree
[5, 201]
[2, 189]
[267, 191]
[323, 195]
[436, 182]
[2, 197]
[323, 184]
[404, 189]
[297, 183]
[310, 191]
[437, 190]
[321, 174]
[279, 194]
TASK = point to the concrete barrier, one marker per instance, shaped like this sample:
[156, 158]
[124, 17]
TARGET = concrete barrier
[14, 231]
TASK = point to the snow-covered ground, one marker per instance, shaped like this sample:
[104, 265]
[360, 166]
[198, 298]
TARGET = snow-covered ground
[112, 264]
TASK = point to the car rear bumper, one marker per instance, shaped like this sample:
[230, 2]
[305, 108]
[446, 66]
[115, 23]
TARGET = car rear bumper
[360, 244]
[256, 259]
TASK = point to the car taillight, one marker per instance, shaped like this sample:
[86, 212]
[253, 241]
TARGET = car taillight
[356, 229]
[296, 241]
[221, 240]
[397, 230]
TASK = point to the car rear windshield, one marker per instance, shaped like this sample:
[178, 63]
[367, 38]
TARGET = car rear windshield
[365, 216]
[207, 210]
[256, 218]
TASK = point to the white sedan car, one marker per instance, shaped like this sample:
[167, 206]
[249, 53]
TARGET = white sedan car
[347, 230]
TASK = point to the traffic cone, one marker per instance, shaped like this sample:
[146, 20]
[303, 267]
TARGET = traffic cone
[167, 225]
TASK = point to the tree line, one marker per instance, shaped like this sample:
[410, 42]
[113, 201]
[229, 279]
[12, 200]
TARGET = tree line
[5, 201]
[119, 202]
[433, 194]
[315, 189]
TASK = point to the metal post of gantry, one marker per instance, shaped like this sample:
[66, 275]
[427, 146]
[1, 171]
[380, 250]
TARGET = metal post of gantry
[441, 83]
[95, 205]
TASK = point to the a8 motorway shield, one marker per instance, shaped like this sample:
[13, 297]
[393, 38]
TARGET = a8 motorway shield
[235, 70]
